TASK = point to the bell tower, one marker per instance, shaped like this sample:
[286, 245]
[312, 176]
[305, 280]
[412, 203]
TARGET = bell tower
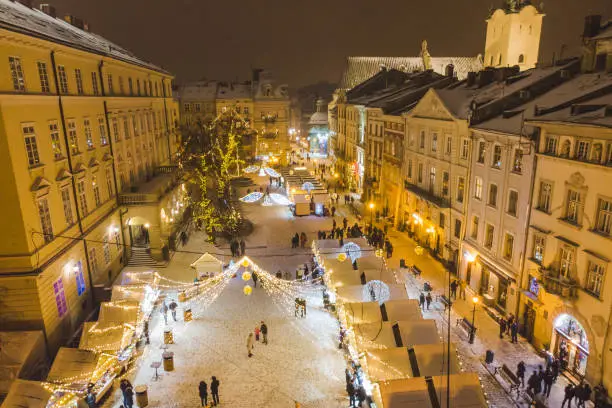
[513, 35]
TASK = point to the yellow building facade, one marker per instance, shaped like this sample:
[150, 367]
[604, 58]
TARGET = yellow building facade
[78, 128]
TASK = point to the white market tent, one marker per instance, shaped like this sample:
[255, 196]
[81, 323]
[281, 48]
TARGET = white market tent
[384, 335]
[22, 355]
[129, 293]
[207, 265]
[110, 340]
[465, 392]
[361, 312]
[71, 363]
[391, 310]
[113, 313]
[32, 394]
[330, 248]
[137, 278]
[406, 309]
[424, 360]
[359, 293]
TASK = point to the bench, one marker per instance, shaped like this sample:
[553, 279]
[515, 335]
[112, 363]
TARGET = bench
[466, 325]
[508, 376]
[446, 302]
[416, 271]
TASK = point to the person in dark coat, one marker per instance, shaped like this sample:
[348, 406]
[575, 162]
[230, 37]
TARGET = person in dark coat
[540, 378]
[548, 382]
[428, 299]
[123, 385]
[570, 392]
[264, 332]
[344, 223]
[453, 289]
[583, 394]
[203, 390]
[350, 390]
[90, 398]
[254, 277]
[173, 306]
[242, 246]
[520, 373]
[214, 390]
[422, 301]
[128, 396]
[533, 383]
[502, 327]
[514, 333]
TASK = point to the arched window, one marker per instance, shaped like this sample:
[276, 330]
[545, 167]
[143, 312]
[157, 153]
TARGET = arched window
[491, 61]
[597, 153]
[565, 149]
[499, 62]
[521, 59]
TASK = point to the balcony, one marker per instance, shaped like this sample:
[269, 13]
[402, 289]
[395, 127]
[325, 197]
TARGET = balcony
[150, 192]
[426, 195]
[559, 285]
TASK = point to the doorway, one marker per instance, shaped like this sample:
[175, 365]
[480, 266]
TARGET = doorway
[570, 344]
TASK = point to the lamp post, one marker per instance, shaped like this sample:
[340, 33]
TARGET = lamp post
[371, 205]
[473, 330]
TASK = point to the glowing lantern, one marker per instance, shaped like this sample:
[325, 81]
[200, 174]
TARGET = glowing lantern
[379, 253]
[342, 257]
[418, 250]
[246, 276]
[245, 262]
[247, 290]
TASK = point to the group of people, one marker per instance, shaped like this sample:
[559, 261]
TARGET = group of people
[261, 329]
[356, 392]
[425, 300]
[214, 390]
[378, 239]
[173, 306]
[457, 284]
[299, 240]
[509, 327]
[127, 391]
[237, 248]
[300, 307]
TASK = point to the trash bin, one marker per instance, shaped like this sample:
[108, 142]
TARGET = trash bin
[489, 357]
[142, 396]
[402, 263]
[168, 357]
[187, 316]
[168, 337]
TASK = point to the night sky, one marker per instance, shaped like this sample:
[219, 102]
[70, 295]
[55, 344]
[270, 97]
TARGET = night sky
[304, 42]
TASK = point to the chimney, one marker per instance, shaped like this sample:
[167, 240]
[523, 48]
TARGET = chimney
[86, 26]
[27, 3]
[592, 25]
[450, 71]
[485, 77]
[72, 20]
[471, 79]
[48, 9]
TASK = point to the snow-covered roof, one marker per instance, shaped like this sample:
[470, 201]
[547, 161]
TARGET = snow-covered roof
[29, 394]
[21, 354]
[595, 112]
[358, 69]
[17, 17]
[234, 91]
[406, 309]
[199, 91]
[208, 263]
[77, 366]
[356, 293]
[109, 339]
[380, 335]
[318, 118]
[113, 313]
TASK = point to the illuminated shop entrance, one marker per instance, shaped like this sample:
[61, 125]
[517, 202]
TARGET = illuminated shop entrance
[570, 344]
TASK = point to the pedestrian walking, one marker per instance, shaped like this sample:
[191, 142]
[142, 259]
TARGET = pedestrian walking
[520, 372]
[422, 301]
[333, 212]
[350, 390]
[164, 311]
[257, 331]
[532, 383]
[514, 336]
[502, 327]
[428, 299]
[214, 390]
[509, 323]
[344, 223]
[128, 396]
[554, 368]
[203, 391]
[254, 277]
[548, 382]
[250, 344]
[264, 332]
[303, 239]
[172, 308]
[583, 394]
[569, 393]
[242, 247]
[539, 379]
[462, 285]
[453, 288]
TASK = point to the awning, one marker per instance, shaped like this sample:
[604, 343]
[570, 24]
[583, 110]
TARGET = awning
[494, 268]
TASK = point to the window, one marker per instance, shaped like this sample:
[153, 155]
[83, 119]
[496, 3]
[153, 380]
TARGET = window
[445, 180]
[126, 127]
[156, 90]
[475, 221]
[109, 182]
[594, 278]
[539, 242]
[478, 188]
[597, 153]
[608, 161]
[545, 197]
[460, 189]
[566, 261]
[434, 142]
[432, 179]
[96, 191]
[44, 77]
[497, 155]
[109, 77]
[82, 197]
[63, 79]
[458, 229]
[80, 279]
[198, 107]
[604, 216]
[115, 129]
[422, 140]
[492, 201]
[481, 152]
[93, 261]
[573, 206]
[517, 163]
[449, 145]
[79, 81]
[521, 59]
[420, 173]
[67, 205]
[551, 145]
[187, 107]
[121, 85]
[29, 137]
[135, 125]
[56, 145]
[508, 246]
[489, 233]
[17, 74]
[60, 297]
[45, 219]
[138, 87]
[107, 253]
[72, 137]
[245, 110]
[88, 133]
[582, 150]
[94, 83]
[442, 220]
[102, 127]
[150, 88]
[131, 86]
[512, 202]
[565, 149]
[410, 169]
[465, 148]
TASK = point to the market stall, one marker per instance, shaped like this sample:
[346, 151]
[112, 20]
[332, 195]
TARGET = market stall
[119, 312]
[364, 293]
[22, 355]
[406, 309]
[301, 201]
[207, 266]
[330, 248]
[113, 339]
[430, 392]
[382, 335]
[391, 310]
[74, 369]
[35, 394]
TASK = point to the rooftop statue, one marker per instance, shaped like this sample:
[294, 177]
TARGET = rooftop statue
[425, 55]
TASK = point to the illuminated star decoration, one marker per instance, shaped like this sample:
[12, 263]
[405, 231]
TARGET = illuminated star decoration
[280, 199]
[252, 197]
[271, 172]
[376, 291]
[352, 250]
[261, 172]
[308, 186]
[267, 201]
[251, 169]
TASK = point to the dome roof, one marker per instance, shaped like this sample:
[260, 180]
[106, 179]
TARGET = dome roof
[318, 118]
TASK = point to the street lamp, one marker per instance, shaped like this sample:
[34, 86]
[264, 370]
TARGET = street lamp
[473, 330]
[371, 205]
